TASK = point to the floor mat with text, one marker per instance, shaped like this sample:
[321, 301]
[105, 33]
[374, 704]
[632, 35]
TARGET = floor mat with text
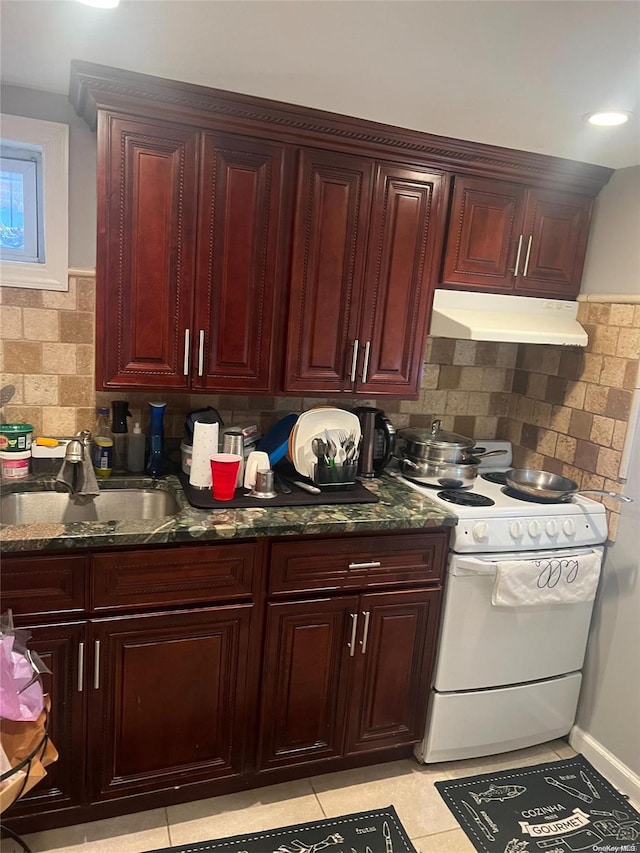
[547, 808]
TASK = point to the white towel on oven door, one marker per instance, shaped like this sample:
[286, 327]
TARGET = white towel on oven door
[546, 580]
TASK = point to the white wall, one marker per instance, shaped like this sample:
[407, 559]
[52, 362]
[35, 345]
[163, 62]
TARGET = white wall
[18, 101]
[612, 264]
[609, 708]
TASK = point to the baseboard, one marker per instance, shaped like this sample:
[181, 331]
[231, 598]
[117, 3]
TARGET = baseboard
[605, 762]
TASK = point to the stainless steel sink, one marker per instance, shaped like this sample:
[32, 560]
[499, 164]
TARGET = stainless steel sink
[109, 505]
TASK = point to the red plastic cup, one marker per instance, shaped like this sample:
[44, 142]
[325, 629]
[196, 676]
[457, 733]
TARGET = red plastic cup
[224, 473]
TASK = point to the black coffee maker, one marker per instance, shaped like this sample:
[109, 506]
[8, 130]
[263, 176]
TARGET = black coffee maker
[378, 441]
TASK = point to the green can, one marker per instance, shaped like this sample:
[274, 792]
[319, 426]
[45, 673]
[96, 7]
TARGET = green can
[15, 438]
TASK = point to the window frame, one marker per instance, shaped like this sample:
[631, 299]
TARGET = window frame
[53, 139]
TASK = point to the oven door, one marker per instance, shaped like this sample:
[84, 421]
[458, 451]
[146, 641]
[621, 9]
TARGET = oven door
[482, 645]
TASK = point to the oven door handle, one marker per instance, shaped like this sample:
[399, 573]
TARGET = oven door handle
[487, 565]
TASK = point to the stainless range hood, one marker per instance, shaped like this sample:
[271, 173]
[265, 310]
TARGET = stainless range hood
[473, 316]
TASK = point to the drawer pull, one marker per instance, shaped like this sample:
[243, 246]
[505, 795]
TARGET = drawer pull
[96, 663]
[365, 633]
[373, 564]
[526, 260]
[201, 353]
[80, 667]
[515, 269]
[354, 360]
[185, 361]
[354, 628]
[365, 368]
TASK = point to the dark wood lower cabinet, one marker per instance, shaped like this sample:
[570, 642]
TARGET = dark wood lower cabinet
[306, 680]
[275, 661]
[168, 699]
[392, 669]
[61, 648]
[346, 675]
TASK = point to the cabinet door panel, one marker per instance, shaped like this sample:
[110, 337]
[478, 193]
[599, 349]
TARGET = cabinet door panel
[305, 681]
[146, 237]
[43, 584]
[63, 786]
[240, 193]
[170, 699]
[559, 226]
[357, 561]
[485, 223]
[392, 669]
[330, 235]
[172, 576]
[396, 295]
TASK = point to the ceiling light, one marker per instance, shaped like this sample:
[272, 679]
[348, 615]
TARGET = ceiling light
[101, 4]
[608, 119]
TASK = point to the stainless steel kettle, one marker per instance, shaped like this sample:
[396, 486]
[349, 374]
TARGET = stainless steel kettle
[378, 441]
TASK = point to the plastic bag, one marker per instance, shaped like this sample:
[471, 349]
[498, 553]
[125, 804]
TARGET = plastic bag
[21, 695]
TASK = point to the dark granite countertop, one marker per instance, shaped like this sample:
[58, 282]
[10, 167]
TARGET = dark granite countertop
[398, 508]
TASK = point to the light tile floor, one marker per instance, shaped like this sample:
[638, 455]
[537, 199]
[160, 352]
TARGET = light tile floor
[405, 784]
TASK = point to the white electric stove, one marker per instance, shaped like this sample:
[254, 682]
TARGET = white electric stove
[506, 677]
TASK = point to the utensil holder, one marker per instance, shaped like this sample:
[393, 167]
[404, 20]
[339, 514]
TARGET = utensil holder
[335, 478]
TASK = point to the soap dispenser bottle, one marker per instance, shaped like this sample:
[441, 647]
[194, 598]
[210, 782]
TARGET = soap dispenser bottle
[120, 413]
[135, 450]
[155, 463]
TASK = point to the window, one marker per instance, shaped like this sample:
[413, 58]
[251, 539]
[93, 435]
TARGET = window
[34, 192]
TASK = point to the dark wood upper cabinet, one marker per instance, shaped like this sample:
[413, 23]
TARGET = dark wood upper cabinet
[328, 255]
[405, 239]
[238, 264]
[147, 173]
[485, 221]
[222, 268]
[363, 254]
[558, 227]
[188, 259]
[509, 238]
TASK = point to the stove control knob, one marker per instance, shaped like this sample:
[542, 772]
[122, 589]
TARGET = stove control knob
[552, 527]
[569, 527]
[515, 528]
[479, 531]
[534, 529]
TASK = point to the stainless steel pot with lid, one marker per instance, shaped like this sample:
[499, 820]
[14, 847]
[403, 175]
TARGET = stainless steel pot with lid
[438, 445]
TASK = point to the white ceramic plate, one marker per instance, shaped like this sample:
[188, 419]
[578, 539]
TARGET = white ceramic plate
[312, 424]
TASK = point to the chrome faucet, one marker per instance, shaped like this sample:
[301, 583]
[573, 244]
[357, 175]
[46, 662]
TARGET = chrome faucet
[75, 449]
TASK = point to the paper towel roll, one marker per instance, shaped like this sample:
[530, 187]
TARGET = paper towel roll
[205, 444]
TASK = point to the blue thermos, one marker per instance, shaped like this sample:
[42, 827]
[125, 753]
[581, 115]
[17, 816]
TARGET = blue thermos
[155, 464]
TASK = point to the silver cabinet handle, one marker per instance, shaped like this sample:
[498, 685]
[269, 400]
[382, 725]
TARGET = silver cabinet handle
[185, 360]
[80, 667]
[526, 261]
[515, 269]
[365, 366]
[354, 628]
[354, 360]
[96, 664]
[365, 633]
[374, 564]
[201, 353]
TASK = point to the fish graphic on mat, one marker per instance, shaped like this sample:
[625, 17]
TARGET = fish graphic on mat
[498, 792]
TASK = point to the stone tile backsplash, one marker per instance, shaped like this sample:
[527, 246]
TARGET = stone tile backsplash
[570, 408]
[565, 410]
